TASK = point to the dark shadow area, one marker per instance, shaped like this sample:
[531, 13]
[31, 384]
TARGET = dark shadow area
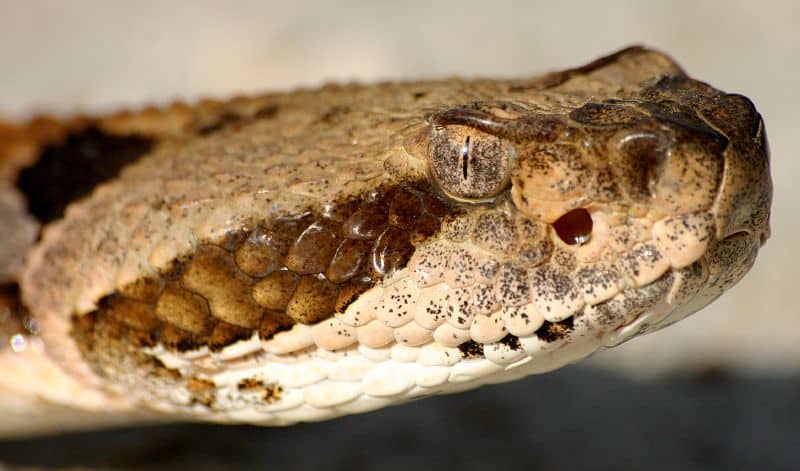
[576, 418]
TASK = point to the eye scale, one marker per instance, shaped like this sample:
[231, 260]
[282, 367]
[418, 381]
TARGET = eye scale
[469, 164]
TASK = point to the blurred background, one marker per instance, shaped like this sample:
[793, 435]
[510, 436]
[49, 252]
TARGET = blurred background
[719, 390]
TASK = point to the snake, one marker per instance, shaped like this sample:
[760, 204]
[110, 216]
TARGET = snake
[299, 256]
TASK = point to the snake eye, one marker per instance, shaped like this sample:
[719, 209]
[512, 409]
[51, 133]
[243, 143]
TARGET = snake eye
[469, 164]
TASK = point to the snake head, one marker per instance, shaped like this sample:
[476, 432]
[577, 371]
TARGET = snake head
[664, 174]
[298, 256]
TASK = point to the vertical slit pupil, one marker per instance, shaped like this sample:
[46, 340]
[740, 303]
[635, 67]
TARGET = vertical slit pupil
[465, 158]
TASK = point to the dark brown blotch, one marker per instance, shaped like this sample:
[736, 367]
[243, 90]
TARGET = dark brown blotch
[213, 274]
[184, 309]
[424, 228]
[313, 301]
[14, 318]
[257, 256]
[225, 334]
[349, 260]
[273, 323]
[341, 210]
[285, 231]
[231, 240]
[314, 248]
[404, 210]
[175, 338]
[71, 169]
[134, 314]
[275, 291]
[436, 206]
[391, 252]
[269, 392]
[203, 391]
[350, 291]
[471, 349]
[552, 331]
[366, 223]
[222, 122]
[143, 289]
[607, 115]
[512, 342]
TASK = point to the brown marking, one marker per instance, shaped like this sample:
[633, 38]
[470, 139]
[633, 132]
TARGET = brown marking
[404, 210]
[424, 228]
[554, 79]
[234, 121]
[257, 256]
[71, 169]
[349, 292]
[292, 270]
[471, 349]
[552, 331]
[143, 289]
[14, 318]
[269, 392]
[436, 207]
[225, 334]
[313, 250]
[172, 337]
[366, 223]
[313, 301]
[349, 260]
[184, 309]
[275, 291]
[213, 275]
[607, 114]
[340, 211]
[224, 121]
[391, 252]
[134, 314]
[512, 342]
[284, 232]
[273, 323]
[203, 391]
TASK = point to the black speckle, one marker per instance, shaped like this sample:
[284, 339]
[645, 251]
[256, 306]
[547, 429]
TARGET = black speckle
[511, 341]
[471, 349]
[552, 331]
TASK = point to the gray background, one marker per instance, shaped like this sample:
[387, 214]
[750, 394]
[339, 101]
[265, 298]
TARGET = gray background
[719, 389]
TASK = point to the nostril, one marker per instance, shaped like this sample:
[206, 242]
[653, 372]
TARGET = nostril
[574, 227]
